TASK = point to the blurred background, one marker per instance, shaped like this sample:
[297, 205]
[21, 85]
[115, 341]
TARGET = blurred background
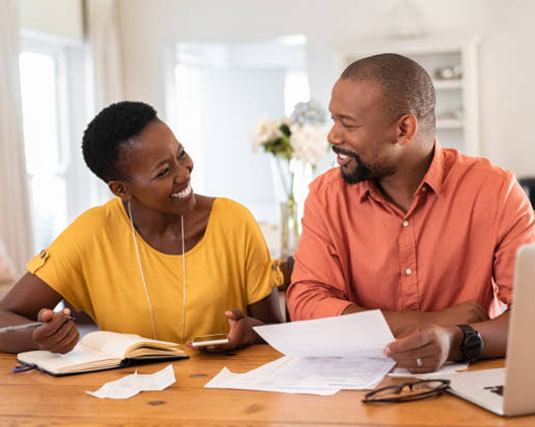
[213, 68]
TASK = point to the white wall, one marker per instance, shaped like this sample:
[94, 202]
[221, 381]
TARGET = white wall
[506, 56]
[230, 96]
[508, 89]
[58, 18]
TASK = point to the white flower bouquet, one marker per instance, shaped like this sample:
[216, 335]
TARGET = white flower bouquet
[300, 138]
[303, 136]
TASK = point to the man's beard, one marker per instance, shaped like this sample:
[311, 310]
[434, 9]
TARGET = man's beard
[365, 172]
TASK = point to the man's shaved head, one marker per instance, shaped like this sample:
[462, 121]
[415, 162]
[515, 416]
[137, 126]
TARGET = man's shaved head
[406, 87]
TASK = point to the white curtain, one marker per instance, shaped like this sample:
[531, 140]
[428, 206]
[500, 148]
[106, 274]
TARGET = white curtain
[15, 224]
[102, 20]
[104, 37]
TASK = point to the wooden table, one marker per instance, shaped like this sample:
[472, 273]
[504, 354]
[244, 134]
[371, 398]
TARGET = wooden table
[34, 398]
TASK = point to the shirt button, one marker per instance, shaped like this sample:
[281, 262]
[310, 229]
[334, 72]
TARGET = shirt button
[405, 223]
[408, 271]
[424, 189]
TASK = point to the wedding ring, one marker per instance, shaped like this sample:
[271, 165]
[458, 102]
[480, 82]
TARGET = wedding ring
[419, 362]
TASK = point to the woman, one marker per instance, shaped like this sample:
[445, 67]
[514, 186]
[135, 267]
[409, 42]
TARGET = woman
[159, 260]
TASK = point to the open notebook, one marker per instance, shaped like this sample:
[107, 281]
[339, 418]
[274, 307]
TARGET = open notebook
[102, 350]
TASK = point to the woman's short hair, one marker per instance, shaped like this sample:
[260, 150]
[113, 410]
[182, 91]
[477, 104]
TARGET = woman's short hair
[113, 127]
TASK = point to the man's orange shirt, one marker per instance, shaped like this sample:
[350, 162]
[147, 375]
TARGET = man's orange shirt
[457, 242]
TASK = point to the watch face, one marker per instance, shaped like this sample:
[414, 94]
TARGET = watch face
[472, 347]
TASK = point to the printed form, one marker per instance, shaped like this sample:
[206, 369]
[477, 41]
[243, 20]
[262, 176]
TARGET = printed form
[322, 356]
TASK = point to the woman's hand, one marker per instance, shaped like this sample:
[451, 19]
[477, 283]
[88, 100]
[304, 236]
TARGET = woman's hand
[241, 333]
[58, 334]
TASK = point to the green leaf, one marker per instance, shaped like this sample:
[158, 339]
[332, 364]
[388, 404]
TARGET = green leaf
[285, 129]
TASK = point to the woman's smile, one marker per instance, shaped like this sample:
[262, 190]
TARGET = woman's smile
[184, 194]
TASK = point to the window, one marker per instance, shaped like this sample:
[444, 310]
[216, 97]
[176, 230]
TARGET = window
[52, 80]
[220, 91]
[296, 89]
[46, 156]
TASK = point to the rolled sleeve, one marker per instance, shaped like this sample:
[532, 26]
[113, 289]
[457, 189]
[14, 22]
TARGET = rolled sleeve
[516, 228]
[318, 286]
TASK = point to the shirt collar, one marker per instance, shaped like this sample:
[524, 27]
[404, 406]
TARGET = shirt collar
[435, 174]
[370, 189]
[433, 177]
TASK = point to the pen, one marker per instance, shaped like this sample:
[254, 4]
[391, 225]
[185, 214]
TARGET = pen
[25, 326]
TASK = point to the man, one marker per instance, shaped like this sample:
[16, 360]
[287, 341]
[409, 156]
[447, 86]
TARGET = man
[425, 234]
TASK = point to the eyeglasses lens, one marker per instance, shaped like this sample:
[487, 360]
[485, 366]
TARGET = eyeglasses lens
[427, 386]
[409, 391]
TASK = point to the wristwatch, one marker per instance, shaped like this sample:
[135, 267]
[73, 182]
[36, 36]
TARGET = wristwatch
[472, 345]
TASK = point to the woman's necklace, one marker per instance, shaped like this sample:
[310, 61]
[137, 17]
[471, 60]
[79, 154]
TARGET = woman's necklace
[145, 283]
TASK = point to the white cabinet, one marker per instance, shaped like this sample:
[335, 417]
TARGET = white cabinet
[452, 65]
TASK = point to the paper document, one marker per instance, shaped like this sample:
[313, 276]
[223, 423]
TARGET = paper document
[133, 384]
[323, 376]
[254, 381]
[362, 334]
[322, 356]
[447, 368]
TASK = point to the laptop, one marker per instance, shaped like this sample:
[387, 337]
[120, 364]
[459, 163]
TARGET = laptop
[509, 391]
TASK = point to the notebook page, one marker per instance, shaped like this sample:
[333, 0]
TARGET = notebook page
[117, 344]
[58, 363]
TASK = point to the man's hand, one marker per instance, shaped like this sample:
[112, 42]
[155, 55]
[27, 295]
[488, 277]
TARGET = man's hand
[58, 334]
[425, 349]
[241, 333]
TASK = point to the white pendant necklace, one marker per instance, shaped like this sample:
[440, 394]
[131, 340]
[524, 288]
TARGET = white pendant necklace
[145, 283]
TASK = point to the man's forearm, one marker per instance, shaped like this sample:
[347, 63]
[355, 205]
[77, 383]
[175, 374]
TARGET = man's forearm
[467, 312]
[310, 300]
[493, 332]
[398, 321]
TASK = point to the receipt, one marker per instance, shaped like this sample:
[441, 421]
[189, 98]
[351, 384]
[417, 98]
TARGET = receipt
[132, 384]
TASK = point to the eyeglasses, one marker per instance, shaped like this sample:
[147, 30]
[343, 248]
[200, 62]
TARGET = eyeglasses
[407, 392]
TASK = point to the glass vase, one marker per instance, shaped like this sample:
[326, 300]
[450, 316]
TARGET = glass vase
[289, 227]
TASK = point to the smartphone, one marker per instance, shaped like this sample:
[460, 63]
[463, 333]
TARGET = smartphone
[204, 340]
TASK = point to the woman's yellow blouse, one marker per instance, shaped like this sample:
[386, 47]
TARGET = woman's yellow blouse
[93, 265]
